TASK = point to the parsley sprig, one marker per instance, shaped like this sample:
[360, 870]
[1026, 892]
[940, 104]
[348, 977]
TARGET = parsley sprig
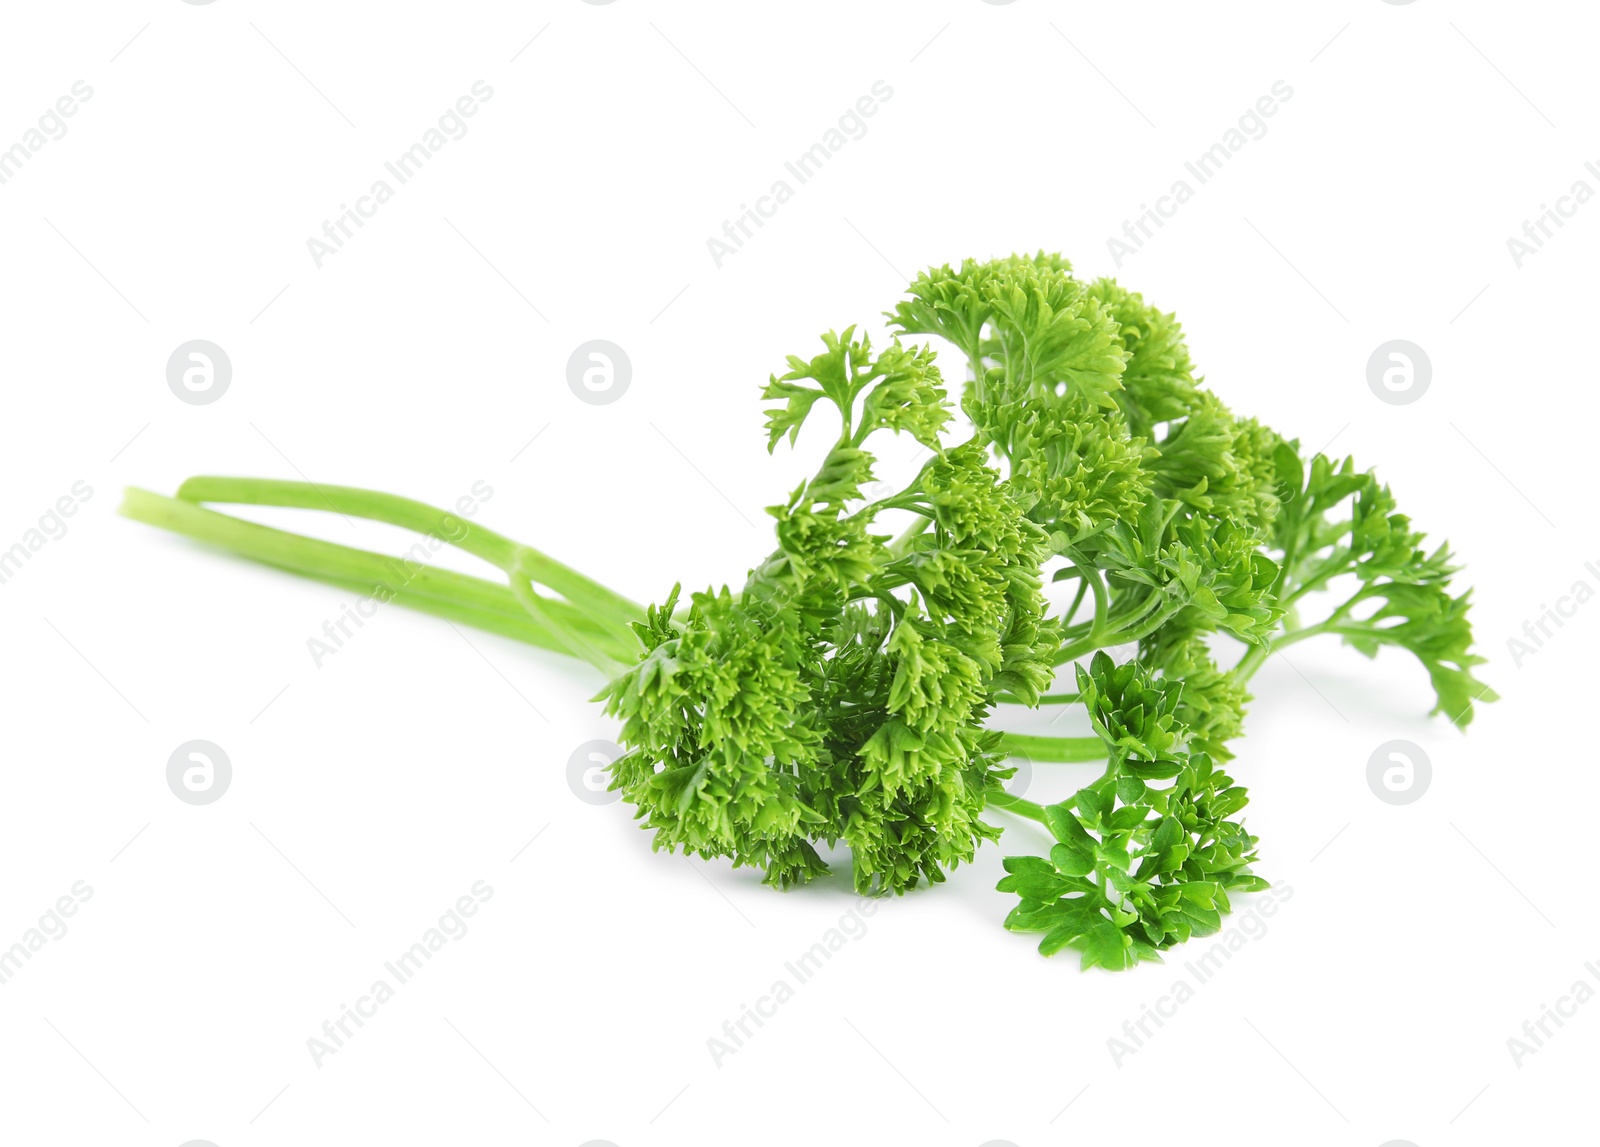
[847, 692]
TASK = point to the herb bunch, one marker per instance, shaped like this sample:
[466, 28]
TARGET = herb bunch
[846, 692]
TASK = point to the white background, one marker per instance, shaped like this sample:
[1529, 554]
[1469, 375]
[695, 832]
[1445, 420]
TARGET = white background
[370, 793]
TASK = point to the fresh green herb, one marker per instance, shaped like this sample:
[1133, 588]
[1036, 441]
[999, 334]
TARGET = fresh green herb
[846, 692]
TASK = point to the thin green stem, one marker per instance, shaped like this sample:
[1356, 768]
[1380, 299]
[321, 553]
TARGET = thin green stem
[1336, 564]
[1056, 750]
[571, 637]
[1139, 624]
[1077, 600]
[1253, 659]
[518, 625]
[445, 593]
[1021, 806]
[1076, 649]
[1147, 627]
[512, 557]
[1257, 656]
[1042, 699]
[1097, 586]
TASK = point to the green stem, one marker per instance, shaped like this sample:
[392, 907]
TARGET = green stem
[1058, 750]
[1018, 805]
[1147, 627]
[1257, 655]
[518, 625]
[575, 642]
[1252, 660]
[444, 593]
[1102, 604]
[1115, 629]
[1076, 649]
[1072, 610]
[1337, 563]
[512, 557]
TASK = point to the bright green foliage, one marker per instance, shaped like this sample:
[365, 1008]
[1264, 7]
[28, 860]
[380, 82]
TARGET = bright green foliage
[1338, 521]
[1019, 321]
[1145, 857]
[1158, 384]
[1212, 703]
[1179, 522]
[842, 693]
[902, 386]
[1078, 472]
